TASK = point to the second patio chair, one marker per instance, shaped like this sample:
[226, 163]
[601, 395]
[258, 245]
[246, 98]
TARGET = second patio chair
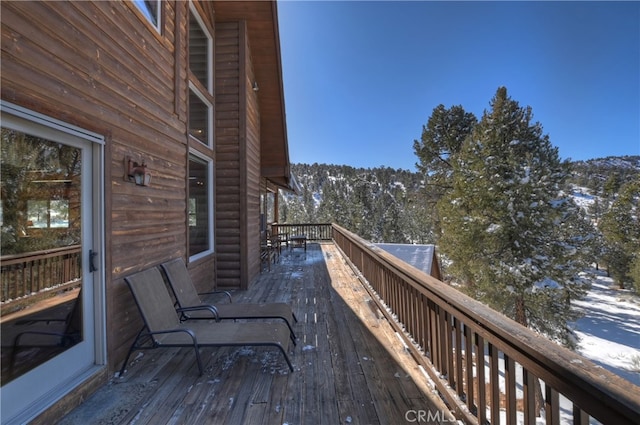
[188, 298]
[163, 327]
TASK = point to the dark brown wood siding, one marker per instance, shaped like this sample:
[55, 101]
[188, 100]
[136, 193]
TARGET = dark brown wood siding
[228, 155]
[237, 159]
[101, 66]
[253, 178]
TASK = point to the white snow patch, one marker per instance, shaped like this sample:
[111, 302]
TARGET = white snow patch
[493, 228]
[610, 329]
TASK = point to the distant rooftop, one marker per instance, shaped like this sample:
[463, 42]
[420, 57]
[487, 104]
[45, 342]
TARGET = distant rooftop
[419, 256]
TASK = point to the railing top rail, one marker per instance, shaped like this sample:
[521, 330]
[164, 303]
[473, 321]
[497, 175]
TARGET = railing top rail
[313, 231]
[6, 260]
[301, 224]
[568, 372]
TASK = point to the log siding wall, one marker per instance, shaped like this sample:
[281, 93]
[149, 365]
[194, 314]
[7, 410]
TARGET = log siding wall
[102, 67]
[237, 159]
[252, 174]
[228, 162]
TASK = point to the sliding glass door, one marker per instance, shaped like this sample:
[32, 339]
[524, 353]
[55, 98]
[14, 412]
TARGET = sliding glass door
[50, 222]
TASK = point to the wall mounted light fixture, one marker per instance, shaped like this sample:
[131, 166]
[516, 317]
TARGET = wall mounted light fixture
[255, 86]
[136, 173]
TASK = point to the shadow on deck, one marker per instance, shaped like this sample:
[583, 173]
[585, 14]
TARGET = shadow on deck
[350, 367]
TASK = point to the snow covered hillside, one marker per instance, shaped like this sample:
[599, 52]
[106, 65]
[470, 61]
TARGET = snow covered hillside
[610, 329]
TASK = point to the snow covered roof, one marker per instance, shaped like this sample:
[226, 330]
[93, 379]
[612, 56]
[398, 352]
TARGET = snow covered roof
[419, 256]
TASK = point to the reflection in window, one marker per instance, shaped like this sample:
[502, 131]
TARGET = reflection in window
[199, 48]
[40, 194]
[198, 118]
[193, 216]
[200, 212]
[41, 251]
[48, 214]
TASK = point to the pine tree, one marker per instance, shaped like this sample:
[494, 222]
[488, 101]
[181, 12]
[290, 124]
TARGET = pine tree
[441, 141]
[621, 229]
[508, 227]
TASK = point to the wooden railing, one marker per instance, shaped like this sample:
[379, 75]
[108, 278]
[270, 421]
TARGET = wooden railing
[313, 232]
[486, 367]
[26, 274]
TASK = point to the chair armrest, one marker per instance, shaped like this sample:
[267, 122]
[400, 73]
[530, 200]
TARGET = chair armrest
[209, 307]
[170, 331]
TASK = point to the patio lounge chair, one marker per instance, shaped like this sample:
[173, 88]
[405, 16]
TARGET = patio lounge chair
[163, 328]
[188, 298]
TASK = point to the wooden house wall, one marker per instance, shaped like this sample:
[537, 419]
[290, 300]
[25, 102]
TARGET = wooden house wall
[253, 178]
[228, 156]
[101, 66]
[237, 159]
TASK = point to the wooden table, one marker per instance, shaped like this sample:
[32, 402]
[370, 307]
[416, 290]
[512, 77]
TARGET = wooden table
[298, 241]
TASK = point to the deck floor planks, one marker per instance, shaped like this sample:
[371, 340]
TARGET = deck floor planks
[311, 410]
[355, 399]
[350, 367]
[302, 304]
[323, 385]
[378, 366]
[165, 385]
[325, 379]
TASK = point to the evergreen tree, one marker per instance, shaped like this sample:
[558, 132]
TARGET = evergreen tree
[441, 141]
[621, 229]
[507, 226]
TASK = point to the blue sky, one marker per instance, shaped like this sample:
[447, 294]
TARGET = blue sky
[362, 78]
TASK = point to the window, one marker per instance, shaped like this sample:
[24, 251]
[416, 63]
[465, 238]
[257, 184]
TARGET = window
[199, 118]
[151, 10]
[199, 51]
[201, 130]
[200, 81]
[200, 206]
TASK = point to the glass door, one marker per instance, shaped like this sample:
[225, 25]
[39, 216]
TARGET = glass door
[48, 263]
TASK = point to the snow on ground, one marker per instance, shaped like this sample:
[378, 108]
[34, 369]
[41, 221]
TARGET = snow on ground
[609, 335]
[610, 329]
[582, 197]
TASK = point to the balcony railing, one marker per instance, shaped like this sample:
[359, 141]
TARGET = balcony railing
[313, 232]
[488, 368]
[25, 276]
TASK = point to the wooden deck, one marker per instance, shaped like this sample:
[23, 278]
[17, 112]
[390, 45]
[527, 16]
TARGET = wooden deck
[350, 366]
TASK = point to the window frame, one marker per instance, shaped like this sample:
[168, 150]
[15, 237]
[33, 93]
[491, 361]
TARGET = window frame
[210, 130]
[210, 205]
[198, 149]
[205, 30]
[141, 6]
[205, 94]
